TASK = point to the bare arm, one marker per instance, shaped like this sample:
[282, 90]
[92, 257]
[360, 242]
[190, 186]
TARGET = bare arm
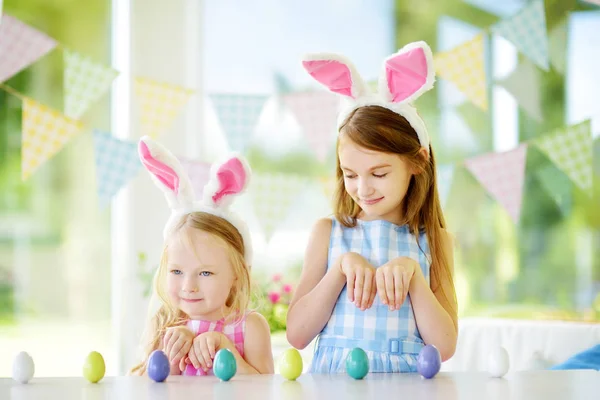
[318, 290]
[258, 355]
[436, 315]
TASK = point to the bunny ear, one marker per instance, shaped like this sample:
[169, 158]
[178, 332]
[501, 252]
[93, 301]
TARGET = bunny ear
[228, 179]
[407, 74]
[167, 173]
[336, 73]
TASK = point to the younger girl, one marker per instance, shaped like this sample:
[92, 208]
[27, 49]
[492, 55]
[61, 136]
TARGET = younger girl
[203, 280]
[379, 275]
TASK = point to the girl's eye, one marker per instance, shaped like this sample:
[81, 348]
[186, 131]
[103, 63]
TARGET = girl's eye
[176, 272]
[350, 176]
[379, 176]
[205, 273]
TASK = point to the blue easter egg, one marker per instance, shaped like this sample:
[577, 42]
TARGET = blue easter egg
[158, 366]
[429, 361]
[357, 363]
[225, 365]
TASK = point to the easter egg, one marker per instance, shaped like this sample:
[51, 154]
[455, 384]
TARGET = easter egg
[225, 365]
[429, 361]
[290, 364]
[94, 367]
[158, 366]
[23, 367]
[357, 363]
[498, 362]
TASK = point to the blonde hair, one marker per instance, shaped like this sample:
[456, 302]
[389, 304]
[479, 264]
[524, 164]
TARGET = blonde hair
[168, 315]
[379, 129]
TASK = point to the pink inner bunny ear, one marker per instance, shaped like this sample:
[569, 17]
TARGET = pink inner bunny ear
[161, 171]
[333, 74]
[406, 73]
[232, 179]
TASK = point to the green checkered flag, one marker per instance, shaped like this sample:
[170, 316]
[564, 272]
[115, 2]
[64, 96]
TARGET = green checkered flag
[273, 196]
[85, 81]
[570, 149]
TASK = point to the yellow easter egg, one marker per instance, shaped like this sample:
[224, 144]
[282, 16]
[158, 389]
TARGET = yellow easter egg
[290, 364]
[94, 367]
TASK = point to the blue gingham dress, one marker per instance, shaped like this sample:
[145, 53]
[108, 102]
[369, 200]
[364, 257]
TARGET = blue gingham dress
[390, 338]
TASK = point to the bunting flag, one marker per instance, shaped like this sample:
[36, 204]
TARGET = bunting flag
[117, 161]
[464, 66]
[238, 115]
[477, 120]
[44, 133]
[558, 187]
[159, 104]
[272, 196]
[524, 84]
[20, 46]
[502, 175]
[527, 31]
[445, 174]
[84, 82]
[570, 149]
[316, 112]
[199, 173]
[558, 40]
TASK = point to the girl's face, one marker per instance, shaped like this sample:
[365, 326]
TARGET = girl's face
[376, 181]
[199, 274]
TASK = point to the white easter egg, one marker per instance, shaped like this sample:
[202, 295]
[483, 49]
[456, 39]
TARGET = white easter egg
[23, 367]
[498, 362]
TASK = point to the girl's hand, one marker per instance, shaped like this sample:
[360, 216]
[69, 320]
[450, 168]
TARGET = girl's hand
[204, 348]
[393, 281]
[177, 342]
[360, 280]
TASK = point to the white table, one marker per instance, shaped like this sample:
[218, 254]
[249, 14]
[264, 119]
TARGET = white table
[546, 385]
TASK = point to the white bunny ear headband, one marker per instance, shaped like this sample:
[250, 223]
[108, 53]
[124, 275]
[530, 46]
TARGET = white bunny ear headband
[227, 179]
[406, 75]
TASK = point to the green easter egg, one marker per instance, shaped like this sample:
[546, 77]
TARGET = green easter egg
[290, 364]
[94, 367]
[357, 363]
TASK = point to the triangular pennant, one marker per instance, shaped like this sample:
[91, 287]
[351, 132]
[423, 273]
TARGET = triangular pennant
[85, 82]
[464, 66]
[570, 149]
[445, 173]
[159, 103]
[316, 112]
[558, 40]
[527, 31]
[20, 46]
[502, 175]
[272, 196]
[117, 162]
[477, 120]
[199, 173]
[524, 84]
[238, 115]
[558, 187]
[45, 133]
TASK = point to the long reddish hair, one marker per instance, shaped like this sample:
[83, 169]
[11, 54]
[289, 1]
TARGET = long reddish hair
[379, 129]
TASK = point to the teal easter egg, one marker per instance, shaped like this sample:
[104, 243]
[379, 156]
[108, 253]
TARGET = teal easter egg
[357, 363]
[225, 365]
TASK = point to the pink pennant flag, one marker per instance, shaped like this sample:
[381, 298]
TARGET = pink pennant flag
[199, 173]
[316, 112]
[502, 175]
[20, 46]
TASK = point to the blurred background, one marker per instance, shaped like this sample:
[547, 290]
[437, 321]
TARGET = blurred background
[81, 223]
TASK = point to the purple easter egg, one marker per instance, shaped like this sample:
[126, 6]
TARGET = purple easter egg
[429, 361]
[158, 366]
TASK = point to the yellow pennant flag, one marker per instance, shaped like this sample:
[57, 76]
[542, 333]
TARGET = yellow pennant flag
[45, 133]
[159, 104]
[464, 66]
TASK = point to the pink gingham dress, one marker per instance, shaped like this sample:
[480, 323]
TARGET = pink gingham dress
[234, 332]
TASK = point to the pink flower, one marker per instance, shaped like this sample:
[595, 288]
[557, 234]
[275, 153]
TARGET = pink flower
[276, 277]
[287, 288]
[274, 297]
